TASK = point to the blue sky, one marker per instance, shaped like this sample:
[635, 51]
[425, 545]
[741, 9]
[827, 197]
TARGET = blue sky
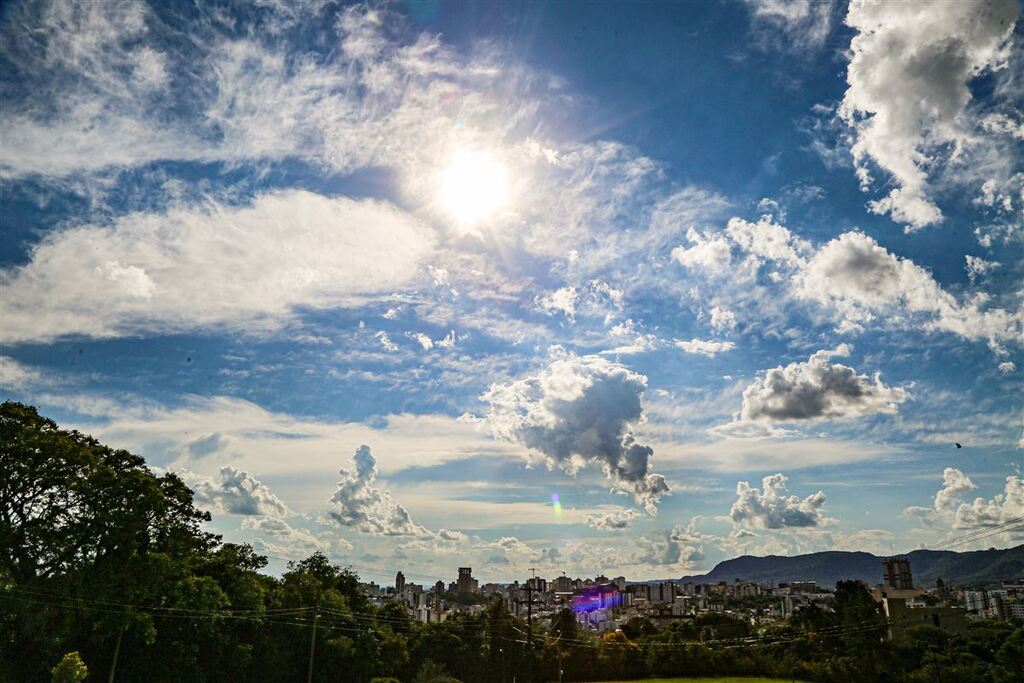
[600, 288]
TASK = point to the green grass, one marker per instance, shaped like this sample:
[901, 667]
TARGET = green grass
[720, 679]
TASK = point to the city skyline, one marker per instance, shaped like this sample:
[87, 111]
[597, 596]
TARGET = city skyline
[582, 287]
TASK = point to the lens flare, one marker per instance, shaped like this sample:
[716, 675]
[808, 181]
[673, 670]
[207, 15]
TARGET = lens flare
[556, 504]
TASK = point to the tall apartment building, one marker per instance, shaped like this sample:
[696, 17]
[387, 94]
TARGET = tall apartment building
[465, 582]
[896, 573]
[399, 583]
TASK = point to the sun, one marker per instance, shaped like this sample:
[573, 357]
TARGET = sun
[474, 187]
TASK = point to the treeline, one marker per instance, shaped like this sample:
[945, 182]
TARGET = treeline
[105, 565]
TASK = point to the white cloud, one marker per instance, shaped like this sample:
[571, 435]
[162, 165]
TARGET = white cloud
[1007, 367]
[767, 240]
[359, 504]
[1002, 508]
[951, 507]
[211, 265]
[234, 491]
[579, 410]
[619, 518]
[425, 342]
[978, 267]
[861, 280]
[708, 252]
[705, 347]
[276, 536]
[954, 485]
[771, 508]
[722, 320]
[794, 24]
[560, 301]
[385, 341]
[908, 89]
[818, 389]
[17, 377]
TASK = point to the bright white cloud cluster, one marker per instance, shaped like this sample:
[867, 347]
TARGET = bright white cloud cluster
[853, 278]
[951, 506]
[772, 508]
[359, 504]
[705, 347]
[235, 492]
[212, 264]
[579, 410]
[863, 280]
[908, 78]
[1000, 509]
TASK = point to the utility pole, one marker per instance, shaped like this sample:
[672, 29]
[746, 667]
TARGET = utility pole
[117, 653]
[312, 644]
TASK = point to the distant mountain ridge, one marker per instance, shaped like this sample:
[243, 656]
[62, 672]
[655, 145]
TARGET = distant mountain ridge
[973, 568]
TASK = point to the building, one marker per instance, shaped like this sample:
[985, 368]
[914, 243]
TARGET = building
[662, 593]
[400, 583]
[976, 602]
[562, 584]
[439, 587]
[896, 573]
[465, 583]
[902, 617]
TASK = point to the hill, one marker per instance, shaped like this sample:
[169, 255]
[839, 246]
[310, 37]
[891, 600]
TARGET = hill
[973, 568]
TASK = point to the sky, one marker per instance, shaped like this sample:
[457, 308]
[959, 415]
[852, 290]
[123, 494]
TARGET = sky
[620, 288]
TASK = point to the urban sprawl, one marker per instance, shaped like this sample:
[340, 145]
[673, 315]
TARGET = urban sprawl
[605, 604]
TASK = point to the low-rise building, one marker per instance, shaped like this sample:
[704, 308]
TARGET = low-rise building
[902, 617]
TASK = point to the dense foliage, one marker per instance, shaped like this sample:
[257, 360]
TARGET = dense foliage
[102, 560]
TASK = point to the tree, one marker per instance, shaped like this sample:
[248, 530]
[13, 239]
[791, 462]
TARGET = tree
[433, 672]
[67, 501]
[70, 669]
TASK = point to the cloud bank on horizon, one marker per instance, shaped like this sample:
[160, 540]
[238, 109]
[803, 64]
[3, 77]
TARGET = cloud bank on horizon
[558, 308]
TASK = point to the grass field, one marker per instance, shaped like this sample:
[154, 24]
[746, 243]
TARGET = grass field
[726, 679]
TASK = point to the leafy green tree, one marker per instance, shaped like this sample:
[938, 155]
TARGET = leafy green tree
[70, 669]
[433, 672]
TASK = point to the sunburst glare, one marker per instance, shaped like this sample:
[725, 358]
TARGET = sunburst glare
[474, 187]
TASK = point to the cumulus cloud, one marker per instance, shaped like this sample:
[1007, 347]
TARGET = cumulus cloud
[722, 320]
[559, 301]
[619, 518]
[818, 389]
[357, 503]
[954, 485]
[707, 252]
[771, 507]
[680, 546]
[908, 88]
[951, 507]
[579, 410]
[705, 347]
[234, 491]
[210, 265]
[1000, 509]
[862, 280]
